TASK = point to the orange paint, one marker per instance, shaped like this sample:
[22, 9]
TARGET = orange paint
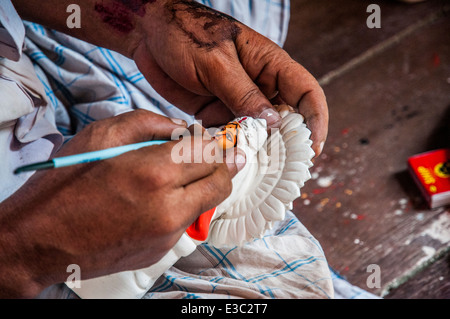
[227, 137]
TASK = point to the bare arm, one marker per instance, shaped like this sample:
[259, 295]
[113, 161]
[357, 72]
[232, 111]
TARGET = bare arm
[201, 60]
[106, 23]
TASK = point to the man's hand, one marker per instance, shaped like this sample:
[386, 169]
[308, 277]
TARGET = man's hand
[214, 67]
[199, 59]
[108, 216]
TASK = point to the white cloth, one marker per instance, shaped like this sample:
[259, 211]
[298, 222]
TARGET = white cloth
[12, 32]
[27, 123]
[287, 262]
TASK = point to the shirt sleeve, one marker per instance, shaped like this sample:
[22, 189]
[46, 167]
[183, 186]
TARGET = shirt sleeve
[12, 32]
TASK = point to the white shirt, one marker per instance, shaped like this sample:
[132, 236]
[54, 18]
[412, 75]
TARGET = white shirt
[27, 122]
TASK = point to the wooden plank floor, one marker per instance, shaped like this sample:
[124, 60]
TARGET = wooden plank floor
[388, 91]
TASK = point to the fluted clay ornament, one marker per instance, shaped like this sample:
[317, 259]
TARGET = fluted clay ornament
[276, 168]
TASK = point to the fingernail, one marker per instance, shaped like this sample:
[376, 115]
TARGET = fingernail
[321, 147]
[240, 160]
[178, 121]
[272, 118]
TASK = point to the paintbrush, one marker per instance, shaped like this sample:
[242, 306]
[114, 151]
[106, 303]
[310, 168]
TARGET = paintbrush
[85, 157]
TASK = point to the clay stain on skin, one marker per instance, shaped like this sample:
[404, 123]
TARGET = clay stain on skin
[119, 13]
[136, 6]
[205, 27]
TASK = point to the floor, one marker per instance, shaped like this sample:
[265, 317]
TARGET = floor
[388, 91]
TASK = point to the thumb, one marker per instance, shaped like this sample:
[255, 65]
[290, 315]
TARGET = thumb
[241, 95]
[235, 159]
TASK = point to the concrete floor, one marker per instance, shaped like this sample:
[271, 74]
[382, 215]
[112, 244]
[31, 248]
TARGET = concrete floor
[388, 91]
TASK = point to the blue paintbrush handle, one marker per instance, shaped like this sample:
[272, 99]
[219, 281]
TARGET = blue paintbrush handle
[101, 155]
[86, 157]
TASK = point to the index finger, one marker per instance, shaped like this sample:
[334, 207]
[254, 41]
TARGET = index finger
[230, 82]
[274, 71]
[301, 90]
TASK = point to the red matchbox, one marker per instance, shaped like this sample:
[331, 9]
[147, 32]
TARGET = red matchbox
[431, 172]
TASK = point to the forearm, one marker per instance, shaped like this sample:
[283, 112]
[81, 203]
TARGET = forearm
[15, 277]
[28, 255]
[113, 24]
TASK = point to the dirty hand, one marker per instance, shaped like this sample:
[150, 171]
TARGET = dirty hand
[216, 68]
[199, 59]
